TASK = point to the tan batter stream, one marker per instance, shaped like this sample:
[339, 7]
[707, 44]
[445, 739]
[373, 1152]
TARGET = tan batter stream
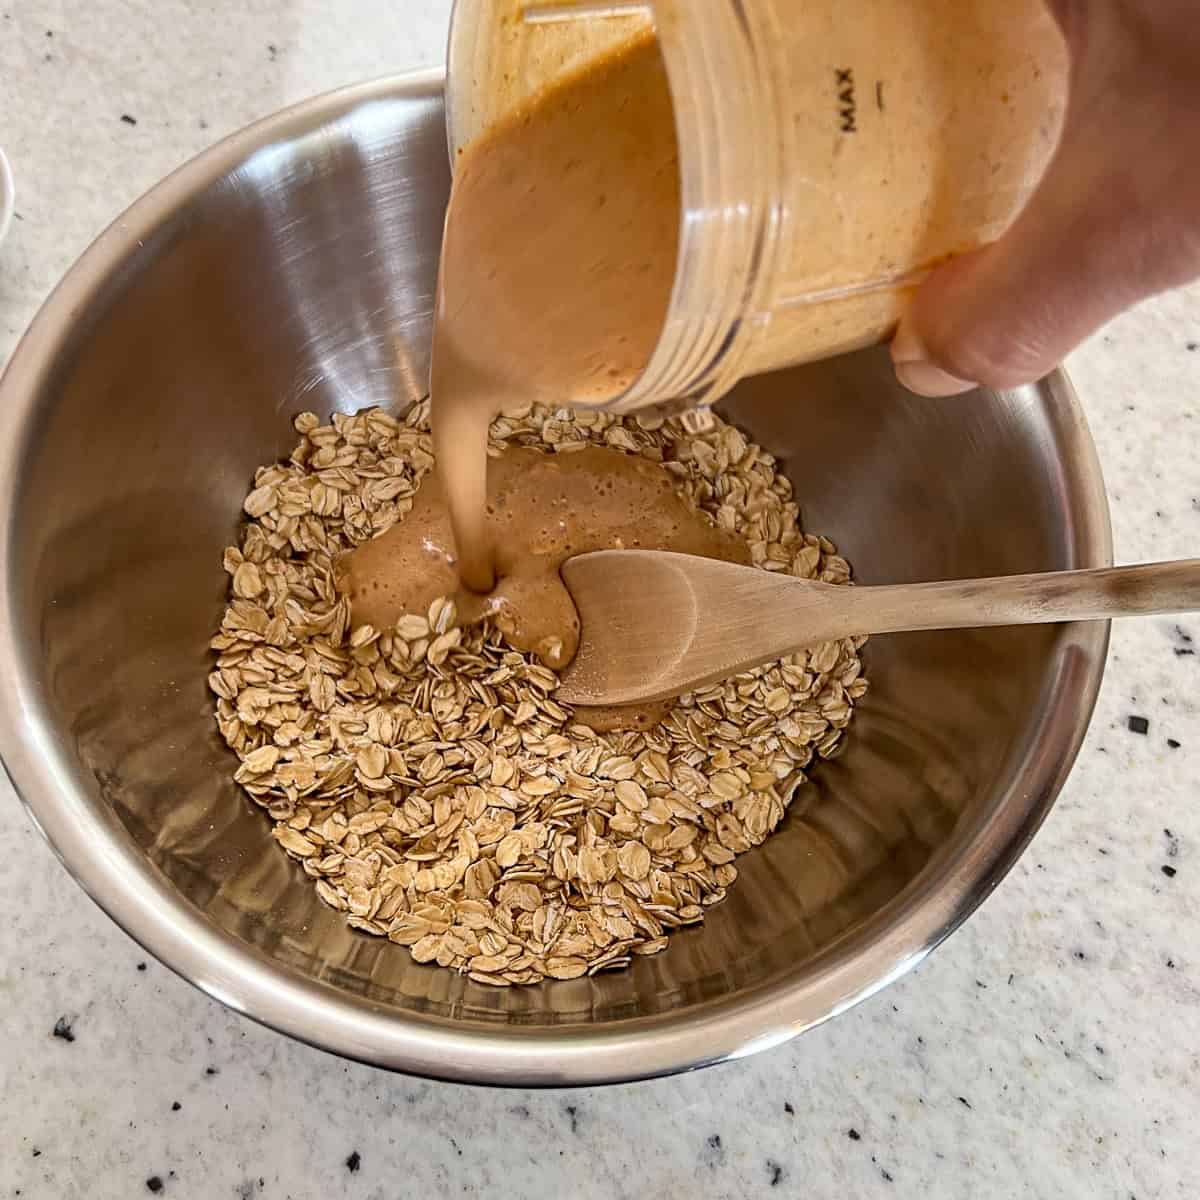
[541, 509]
[556, 275]
[557, 266]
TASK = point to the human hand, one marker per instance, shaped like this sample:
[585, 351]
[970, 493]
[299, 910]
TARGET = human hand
[1115, 219]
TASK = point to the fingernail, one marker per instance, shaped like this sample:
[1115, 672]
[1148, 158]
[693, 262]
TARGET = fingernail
[928, 380]
[918, 372]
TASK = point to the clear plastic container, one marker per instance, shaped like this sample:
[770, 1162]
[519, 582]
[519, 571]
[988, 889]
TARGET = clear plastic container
[830, 154]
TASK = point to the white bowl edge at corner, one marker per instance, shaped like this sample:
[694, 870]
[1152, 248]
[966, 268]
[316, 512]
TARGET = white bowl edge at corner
[8, 195]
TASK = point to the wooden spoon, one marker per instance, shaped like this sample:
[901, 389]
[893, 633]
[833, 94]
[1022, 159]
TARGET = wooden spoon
[656, 624]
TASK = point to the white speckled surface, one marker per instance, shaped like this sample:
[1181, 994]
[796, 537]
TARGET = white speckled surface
[1050, 1049]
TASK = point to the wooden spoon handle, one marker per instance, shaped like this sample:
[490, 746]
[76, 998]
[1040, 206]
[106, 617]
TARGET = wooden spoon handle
[1026, 599]
[663, 623]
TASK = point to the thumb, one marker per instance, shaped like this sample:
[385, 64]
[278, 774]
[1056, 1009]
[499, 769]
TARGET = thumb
[1116, 217]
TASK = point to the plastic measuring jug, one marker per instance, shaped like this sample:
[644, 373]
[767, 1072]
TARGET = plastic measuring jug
[830, 155]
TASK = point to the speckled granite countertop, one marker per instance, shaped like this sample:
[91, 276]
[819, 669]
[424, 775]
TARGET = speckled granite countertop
[1050, 1049]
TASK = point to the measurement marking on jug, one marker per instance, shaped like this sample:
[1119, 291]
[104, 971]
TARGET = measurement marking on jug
[545, 14]
[879, 94]
[848, 111]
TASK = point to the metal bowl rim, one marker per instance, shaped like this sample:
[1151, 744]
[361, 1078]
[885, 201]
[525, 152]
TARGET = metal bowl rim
[112, 870]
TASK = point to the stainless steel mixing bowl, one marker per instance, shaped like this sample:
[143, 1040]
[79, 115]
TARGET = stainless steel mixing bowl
[292, 267]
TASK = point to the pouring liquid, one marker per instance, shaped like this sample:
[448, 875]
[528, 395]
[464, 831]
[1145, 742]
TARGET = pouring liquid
[557, 267]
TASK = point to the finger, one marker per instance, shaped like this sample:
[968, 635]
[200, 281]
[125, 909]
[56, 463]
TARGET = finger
[1116, 218]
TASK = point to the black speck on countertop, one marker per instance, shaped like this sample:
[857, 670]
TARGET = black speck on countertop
[1079, 955]
[1138, 725]
[211, 1071]
[62, 1029]
[353, 1162]
[854, 1135]
[128, 120]
[885, 1175]
[154, 1183]
[36, 1152]
[141, 966]
[1173, 744]
[714, 1142]
[787, 1108]
[1169, 872]
[176, 1106]
[1193, 347]
[964, 1102]
[774, 1172]
[272, 52]
[573, 1115]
